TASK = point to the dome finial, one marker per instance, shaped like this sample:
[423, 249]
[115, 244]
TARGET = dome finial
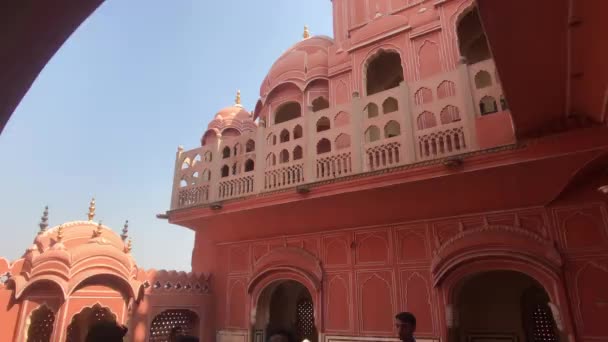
[60, 234]
[306, 34]
[91, 213]
[129, 246]
[97, 232]
[44, 220]
[237, 100]
[125, 231]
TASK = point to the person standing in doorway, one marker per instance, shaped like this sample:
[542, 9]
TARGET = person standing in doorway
[405, 323]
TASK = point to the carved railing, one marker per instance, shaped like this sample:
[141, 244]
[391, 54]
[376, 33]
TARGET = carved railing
[283, 177]
[443, 142]
[193, 195]
[334, 166]
[236, 187]
[383, 155]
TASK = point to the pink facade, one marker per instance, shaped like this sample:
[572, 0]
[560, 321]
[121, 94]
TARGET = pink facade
[380, 172]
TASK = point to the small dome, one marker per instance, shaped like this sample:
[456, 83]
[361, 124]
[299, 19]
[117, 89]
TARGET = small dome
[301, 63]
[230, 121]
[78, 233]
[235, 112]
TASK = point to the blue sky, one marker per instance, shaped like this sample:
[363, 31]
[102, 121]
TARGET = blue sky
[105, 117]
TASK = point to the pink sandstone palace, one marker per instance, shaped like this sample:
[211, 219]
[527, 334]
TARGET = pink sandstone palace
[397, 166]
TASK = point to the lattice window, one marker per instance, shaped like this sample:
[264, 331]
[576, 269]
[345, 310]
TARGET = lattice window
[305, 318]
[41, 325]
[165, 322]
[543, 325]
[334, 166]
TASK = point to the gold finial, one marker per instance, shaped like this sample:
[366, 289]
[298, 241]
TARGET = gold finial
[238, 97]
[129, 246]
[91, 213]
[60, 233]
[44, 220]
[97, 232]
[306, 34]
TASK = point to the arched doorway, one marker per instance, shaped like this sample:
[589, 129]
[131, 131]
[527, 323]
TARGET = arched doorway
[185, 320]
[285, 306]
[502, 306]
[85, 319]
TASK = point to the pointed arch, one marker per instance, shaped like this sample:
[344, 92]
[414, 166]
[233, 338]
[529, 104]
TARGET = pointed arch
[426, 120]
[298, 153]
[342, 141]
[392, 129]
[390, 105]
[372, 133]
[323, 124]
[449, 114]
[297, 132]
[323, 146]
[483, 79]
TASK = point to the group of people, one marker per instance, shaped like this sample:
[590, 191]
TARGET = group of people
[113, 332]
[405, 324]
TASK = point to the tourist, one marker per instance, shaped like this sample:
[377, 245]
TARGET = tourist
[175, 333]
[405, 323]
[279, 336]
[106, 332]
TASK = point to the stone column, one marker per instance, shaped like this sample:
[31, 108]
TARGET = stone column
[357, 133]
[260, 157]
[310, 149]
[407, 131]
[469, 115]
[176, 179]
[216, 172]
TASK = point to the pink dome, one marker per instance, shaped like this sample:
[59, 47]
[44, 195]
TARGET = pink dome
[303, 62]
[235, 112]
[78, 233]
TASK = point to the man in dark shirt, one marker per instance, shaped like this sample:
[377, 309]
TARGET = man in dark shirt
[405, 323]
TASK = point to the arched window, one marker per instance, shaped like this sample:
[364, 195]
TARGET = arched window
[449, 114]
[208, 156]
[503, 103]
[231, 132]
[249, 165]
[446, 89]
[483, 79]
[537, 317]
[225, 171]
[341, 119]
[423, 95]
[40, 325]
[284, 137]
[235, 169]
[197, 159]
[426, 120]
[85, 320]
[209, 138]
[319, 103]
[305, 321]
[372, 134]
[487, 105]
[472, 39]
[185, 320]
[342, 141]
[390, 105]
[384, 72]
[392, 129]
[323, 146]
[288, 112]
[183, 183]
[371, 109]
[297, 132]
[206, 175]
[186, 164]
[250, 146]
[271, 160]
[226, 152]
[298, 153]
[323, 124]
[237, 149]
[284, 157]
